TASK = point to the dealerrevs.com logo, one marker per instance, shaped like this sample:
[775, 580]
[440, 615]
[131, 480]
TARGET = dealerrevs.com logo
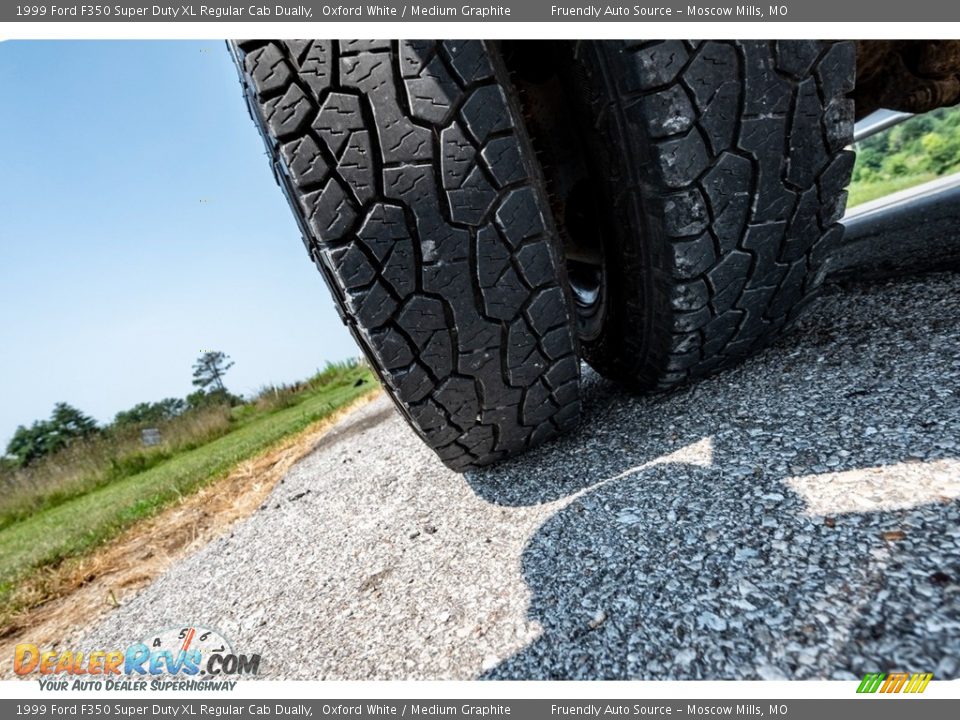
[183, 658]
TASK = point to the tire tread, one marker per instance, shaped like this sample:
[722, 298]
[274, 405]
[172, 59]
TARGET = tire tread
[408, 171]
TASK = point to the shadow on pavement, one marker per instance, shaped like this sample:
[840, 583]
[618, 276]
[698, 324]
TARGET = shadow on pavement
[796, 517]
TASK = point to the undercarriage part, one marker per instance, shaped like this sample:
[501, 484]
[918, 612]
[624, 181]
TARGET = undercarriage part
[912, 76]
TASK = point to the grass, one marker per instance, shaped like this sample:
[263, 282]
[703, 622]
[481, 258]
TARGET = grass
[88, 464]
[79, 523]
[864, 191]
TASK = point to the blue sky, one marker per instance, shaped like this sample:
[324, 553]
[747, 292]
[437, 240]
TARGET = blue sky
[139, 225]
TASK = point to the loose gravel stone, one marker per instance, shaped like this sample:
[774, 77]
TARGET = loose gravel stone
[796, 517]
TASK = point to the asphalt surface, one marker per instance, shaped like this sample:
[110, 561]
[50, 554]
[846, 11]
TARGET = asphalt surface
[796, 517]
[911, 231]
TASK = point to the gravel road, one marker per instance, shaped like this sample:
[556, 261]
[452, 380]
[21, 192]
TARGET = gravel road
[796, 517]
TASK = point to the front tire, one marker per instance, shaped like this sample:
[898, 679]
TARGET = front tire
[410, 174]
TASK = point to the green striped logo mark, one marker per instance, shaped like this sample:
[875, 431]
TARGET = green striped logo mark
[871, 682]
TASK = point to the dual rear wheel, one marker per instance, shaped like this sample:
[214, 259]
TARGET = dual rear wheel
[487, 215]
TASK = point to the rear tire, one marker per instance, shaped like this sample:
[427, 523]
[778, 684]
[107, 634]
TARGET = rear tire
[408, 170]
[723, 168]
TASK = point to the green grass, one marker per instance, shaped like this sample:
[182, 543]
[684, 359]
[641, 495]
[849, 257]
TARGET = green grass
[864, 191]
[79, 524]
[87, 465]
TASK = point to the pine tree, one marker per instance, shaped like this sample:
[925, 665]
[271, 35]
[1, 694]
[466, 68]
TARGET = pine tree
[209, 369]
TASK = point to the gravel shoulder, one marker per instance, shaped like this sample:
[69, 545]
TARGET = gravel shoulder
[796, 517]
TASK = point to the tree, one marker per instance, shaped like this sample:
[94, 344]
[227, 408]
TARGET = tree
[44, 437]
[27, 444]
[869, 156]
[71, 423]
[895, 165]
[943, 152]
[199, 399]
[209, 369]
[151, 412]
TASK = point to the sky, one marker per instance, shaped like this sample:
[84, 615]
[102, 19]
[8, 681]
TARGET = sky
[139, 226]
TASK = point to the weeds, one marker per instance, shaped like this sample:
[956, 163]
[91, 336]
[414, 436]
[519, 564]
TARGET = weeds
[118, 452]
[99, 460]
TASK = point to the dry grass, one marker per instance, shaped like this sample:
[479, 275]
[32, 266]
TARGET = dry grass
[277, 397]
[62, 600]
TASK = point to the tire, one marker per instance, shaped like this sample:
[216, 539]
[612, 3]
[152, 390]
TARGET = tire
[723, 168]
[416, 192]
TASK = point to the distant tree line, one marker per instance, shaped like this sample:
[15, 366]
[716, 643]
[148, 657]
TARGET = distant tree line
[67, 424]
[45, 437]
[925, 144]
